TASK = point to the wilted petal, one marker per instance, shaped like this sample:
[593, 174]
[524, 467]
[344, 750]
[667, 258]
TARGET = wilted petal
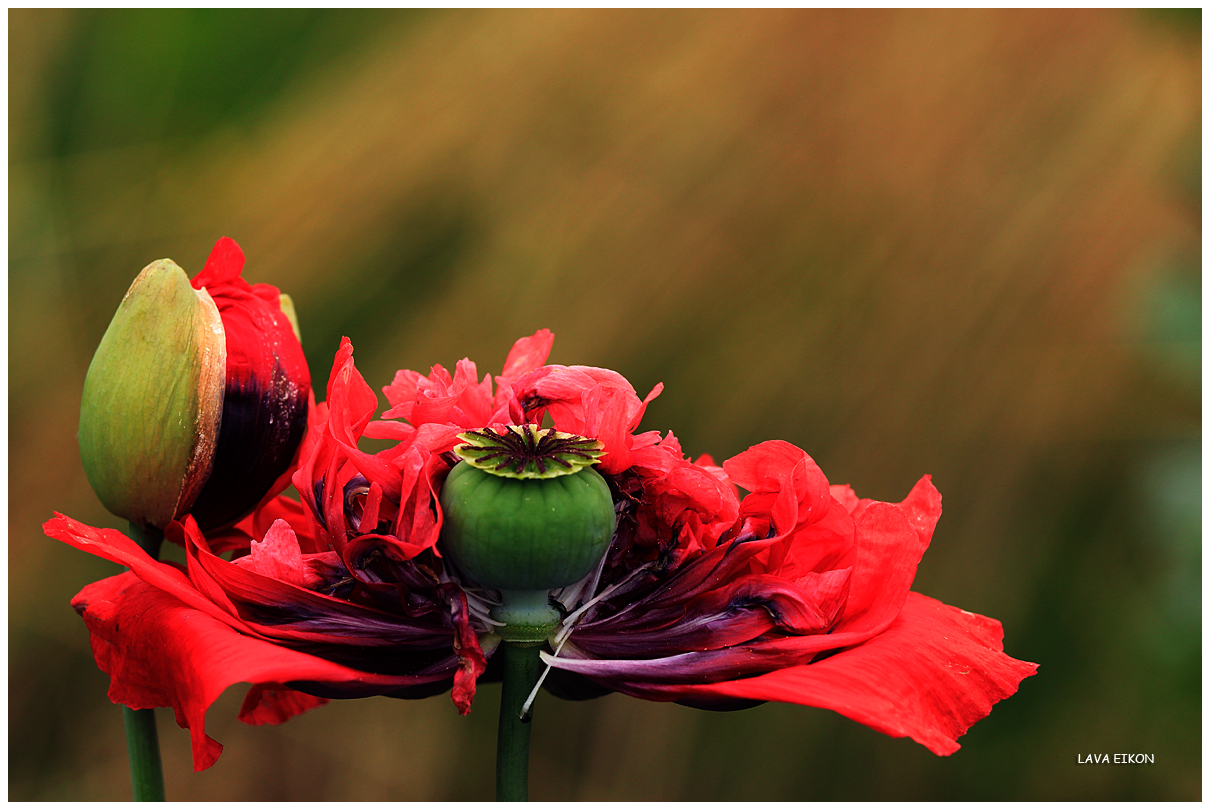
[273, 609]
[471, 661]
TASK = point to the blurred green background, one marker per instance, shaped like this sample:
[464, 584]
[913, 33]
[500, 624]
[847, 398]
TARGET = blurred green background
[958, 243]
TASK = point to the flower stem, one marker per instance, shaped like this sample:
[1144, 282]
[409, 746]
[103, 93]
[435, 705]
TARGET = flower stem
[142, 739]
[143, 745]
[522, 666]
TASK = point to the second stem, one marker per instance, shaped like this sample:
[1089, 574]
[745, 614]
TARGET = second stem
[142, 741]
[522, 666]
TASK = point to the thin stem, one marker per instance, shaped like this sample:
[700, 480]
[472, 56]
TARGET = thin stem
[522, 666]
[142, 739]
[149, 539]
[143, 745]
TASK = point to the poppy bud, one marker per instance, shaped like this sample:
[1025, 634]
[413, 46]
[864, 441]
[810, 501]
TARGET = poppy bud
[524, 514]
[196, 400]
[268, 388]
[153, 398]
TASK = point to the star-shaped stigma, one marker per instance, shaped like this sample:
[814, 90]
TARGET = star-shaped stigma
[527, 451]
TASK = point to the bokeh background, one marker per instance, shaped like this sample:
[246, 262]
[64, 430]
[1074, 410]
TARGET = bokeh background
[958, 243]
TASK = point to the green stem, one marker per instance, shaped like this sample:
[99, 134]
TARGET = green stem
[142, 739]
[143, 745]
[522, 666]
[149, 539]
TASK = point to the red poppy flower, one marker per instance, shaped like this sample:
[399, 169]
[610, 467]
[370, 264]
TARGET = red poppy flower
[798, 592]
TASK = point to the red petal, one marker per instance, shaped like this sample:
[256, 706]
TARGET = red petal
[278, 556]
[273, 704]
[825, 545]
[438, 438]
[780, 467]
[845, 495]
[112, 545]
[607, 416]
[394, 431]
[463, 401]
[583, 400]
[475, 404]
[225, 263]
[401, 393]
[417, 524]
[672, 487]
[351, 401]
[935, 672]
[289, 510]
[351, 405]
[656, 390]
[158, 651]
[528, 353]
[887, 550]
[923, 508]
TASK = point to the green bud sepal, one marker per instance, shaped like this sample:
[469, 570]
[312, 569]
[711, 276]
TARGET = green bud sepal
[153, 398]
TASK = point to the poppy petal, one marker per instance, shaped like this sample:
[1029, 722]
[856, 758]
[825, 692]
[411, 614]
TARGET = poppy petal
[528, 353]
[224, 264]
[158, 651]
[272, 704]
[935, 672]
[267, 391]
[112, 545]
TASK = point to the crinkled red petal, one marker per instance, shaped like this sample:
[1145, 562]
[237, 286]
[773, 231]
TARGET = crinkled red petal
[780, 467]
[527, 354]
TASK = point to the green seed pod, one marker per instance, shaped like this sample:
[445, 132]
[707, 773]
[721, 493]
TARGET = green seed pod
[153, 398]
[526, 534]
[524, 514]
